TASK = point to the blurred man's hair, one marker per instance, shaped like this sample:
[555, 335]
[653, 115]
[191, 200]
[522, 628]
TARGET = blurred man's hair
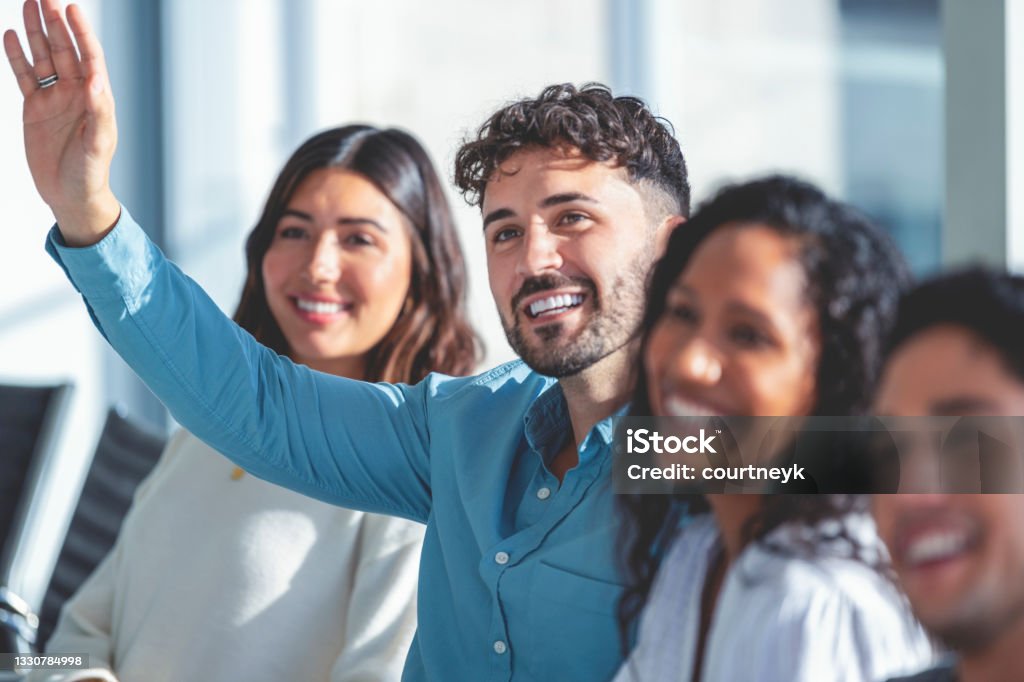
[988, 303]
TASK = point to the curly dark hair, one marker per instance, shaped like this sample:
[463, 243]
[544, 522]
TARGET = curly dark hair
[988, 303]
[432, 332]
[854, 275]
[601, 126]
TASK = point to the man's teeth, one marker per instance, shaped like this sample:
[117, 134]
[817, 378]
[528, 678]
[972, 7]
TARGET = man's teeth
[935, 547]
[555, 303]
[677, 407]
[318, 307]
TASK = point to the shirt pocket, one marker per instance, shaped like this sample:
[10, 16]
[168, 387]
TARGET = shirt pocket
[573, 626]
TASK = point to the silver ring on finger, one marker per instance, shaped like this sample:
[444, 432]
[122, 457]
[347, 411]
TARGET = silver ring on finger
[47, 81]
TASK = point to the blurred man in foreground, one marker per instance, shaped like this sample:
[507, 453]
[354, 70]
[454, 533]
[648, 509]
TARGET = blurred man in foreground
[958, 349]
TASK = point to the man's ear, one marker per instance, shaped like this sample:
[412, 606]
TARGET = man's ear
[665, 230]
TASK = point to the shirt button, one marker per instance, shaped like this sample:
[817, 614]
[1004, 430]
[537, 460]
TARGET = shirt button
[499, 647]
[501, 558]
[544, 493]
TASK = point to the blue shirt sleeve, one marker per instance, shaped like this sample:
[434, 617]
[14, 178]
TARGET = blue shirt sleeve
[346, 442]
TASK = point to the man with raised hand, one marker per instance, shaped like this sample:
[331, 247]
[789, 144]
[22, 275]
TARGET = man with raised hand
[509, 469]
[958, 349]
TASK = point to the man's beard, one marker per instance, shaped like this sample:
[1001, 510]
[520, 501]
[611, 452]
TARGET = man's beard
[612, 324]
[987, 620]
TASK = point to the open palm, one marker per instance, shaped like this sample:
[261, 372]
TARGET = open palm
[70, 130]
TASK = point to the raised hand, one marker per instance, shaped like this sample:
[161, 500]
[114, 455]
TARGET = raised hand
[70, 130]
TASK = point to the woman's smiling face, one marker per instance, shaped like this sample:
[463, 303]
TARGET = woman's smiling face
[738, 335]
[338, 270]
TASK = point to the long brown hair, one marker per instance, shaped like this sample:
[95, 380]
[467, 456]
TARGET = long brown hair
[431, 333]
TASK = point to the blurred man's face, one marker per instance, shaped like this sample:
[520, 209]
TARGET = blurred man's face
[960, 558]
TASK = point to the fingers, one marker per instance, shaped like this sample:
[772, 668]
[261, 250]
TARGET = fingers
[92, 63]
[22, 69]
[37, 42]
[62, 50]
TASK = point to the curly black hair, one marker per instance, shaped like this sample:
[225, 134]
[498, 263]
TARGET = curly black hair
[601, 126]
[988, 303]
[854, 276]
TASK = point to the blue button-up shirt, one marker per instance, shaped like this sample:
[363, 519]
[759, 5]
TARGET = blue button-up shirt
[518, 579]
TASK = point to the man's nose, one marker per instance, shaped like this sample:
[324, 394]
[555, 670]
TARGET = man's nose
[540, 252]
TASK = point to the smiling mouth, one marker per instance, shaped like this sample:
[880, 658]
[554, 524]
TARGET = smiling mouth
[937, 547]
[674, 405]
[311, 307]
[552, 306]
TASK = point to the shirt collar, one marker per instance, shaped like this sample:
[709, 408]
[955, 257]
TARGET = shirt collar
[546, 424]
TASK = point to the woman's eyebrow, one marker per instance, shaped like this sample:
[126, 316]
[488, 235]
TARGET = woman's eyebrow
[353, 220]
[749, 311]
[296, 214]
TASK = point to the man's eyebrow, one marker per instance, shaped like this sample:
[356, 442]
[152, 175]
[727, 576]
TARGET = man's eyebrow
[354, 220]
[565, 198]
[498, 214]
[548, 202]
[961, 405]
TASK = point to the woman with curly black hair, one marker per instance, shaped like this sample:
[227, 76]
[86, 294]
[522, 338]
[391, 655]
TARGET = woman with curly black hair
[774, 300]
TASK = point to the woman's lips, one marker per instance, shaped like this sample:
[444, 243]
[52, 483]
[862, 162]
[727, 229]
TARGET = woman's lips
[320, 311]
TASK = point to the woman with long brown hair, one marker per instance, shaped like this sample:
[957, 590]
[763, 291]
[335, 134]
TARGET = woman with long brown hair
[354, 268]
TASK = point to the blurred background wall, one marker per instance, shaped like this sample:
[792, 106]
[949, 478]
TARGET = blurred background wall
[880, 102]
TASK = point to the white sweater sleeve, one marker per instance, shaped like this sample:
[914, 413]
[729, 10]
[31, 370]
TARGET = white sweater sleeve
[381, 614]
[86, 620]
[85, 627]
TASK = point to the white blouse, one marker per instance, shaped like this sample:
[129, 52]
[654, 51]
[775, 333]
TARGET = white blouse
[777, 619]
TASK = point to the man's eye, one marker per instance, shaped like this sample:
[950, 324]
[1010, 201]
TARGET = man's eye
[292, 232]
[504, 234]
[572, 218]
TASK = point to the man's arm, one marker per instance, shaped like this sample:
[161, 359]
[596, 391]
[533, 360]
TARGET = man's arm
[346, 442]
[341, 441]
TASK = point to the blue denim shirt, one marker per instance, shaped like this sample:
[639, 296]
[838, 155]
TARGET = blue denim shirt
[518, 579]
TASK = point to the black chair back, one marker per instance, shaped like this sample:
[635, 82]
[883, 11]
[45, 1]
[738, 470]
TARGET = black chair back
[125, 455]
[30, 417]
[30, 421]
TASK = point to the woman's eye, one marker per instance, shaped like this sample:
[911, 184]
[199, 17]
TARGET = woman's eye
[749, 337]
[359, 240]
[683, 313]
[292, 232]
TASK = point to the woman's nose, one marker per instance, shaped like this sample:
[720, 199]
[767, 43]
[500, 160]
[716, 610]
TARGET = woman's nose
[325, 260]
[697, 362]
